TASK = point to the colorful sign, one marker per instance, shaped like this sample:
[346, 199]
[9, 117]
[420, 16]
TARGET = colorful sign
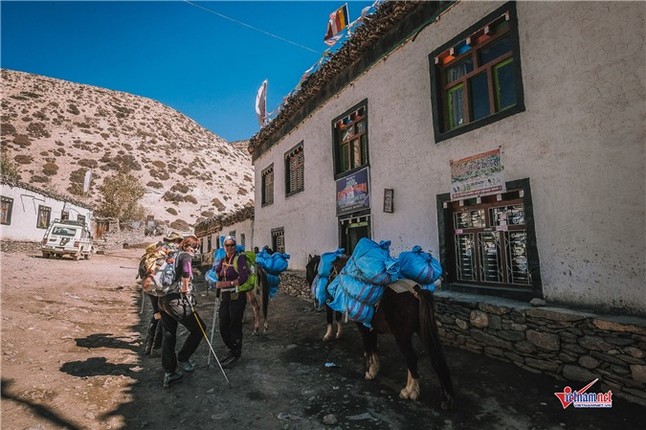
[478, 175]
[352, 193]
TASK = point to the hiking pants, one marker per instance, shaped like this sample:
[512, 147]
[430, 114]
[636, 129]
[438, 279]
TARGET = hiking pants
[230, 314]
[152, 326]
[176, 309]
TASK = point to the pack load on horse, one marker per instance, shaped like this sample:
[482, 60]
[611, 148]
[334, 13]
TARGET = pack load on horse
[273, 264]
[370, 277]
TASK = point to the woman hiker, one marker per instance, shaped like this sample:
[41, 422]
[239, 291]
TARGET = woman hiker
[232, 272]
[178, 307]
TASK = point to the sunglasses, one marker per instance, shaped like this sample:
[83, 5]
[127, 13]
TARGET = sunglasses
[229, 245]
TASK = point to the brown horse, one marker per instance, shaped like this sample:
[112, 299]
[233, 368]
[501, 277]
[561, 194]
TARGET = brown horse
[311, 270]
[401, 314]
[258, 298]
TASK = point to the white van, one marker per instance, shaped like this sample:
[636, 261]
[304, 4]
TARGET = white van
[68, 238]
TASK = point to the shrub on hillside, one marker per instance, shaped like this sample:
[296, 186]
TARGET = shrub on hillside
[9, 170]
[23, 159]
[171, 211]
[22, 140]
[50, 169]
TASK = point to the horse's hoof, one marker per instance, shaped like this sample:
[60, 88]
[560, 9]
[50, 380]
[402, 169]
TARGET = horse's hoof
[369, 376]
[327, 337]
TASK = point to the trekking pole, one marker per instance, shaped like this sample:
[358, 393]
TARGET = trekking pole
[143, 299]
[216, 304]
[207, 340]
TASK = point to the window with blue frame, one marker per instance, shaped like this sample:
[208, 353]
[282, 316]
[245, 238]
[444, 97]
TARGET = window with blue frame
[476, 77]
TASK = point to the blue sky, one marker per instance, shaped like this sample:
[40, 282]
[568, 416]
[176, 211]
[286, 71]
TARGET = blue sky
[205, 66]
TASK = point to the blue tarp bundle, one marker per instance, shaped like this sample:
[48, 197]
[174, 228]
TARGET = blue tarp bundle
[371, 262]
[361, 283]
[322, 279]
[273, 264]
[420, 267]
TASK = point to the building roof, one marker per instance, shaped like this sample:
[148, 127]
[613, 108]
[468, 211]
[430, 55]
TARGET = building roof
[218, 222]
[393, 22]
[19, 184]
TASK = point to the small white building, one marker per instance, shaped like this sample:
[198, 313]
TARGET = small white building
[506, 138]
[27, 211]
[238, 225]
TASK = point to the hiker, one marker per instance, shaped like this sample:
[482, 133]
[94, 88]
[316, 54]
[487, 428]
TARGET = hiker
[155, 331]
[178, 307]
[232, 303]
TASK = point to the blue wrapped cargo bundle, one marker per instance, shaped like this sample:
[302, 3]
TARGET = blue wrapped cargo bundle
[354, 298]
[421, 267]
[322, 279]
[272, 263]
[371, 262]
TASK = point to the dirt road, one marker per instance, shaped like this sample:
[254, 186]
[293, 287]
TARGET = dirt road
[71, 358]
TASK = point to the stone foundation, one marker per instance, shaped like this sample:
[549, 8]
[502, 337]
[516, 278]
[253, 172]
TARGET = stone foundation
[568, 344]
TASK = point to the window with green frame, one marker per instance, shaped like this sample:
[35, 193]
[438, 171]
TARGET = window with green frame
[476, 76]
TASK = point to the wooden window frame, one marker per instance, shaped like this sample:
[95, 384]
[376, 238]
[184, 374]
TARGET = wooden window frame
[295, 170]
[519, 193]
[267, 187]
[42, 210]
[443, 128]
[278, 239]
[7, 210]
[350, 140]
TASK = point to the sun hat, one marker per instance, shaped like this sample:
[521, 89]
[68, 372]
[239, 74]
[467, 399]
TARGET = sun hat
[172, 237]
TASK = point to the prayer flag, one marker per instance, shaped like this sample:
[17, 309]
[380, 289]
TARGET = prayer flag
[338, 21]
[261, 103]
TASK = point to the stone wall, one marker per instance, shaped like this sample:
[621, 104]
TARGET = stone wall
[569, 344]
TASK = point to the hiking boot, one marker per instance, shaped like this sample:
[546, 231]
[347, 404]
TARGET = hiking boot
[148, 347]
[171, 378]
[186, 366]
[227, 363]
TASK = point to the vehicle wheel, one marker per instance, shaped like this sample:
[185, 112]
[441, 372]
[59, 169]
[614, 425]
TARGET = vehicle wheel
[46, 254]
[59, 255]
[76, 257]
[88, 255]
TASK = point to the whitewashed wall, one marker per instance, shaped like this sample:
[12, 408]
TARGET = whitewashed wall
[25, 213]
[244, 227]
[580, 142]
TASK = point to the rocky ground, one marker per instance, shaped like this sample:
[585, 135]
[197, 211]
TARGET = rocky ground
[71, 358]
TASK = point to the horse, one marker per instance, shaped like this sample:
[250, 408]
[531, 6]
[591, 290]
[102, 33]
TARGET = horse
[403, 314]
[311, 270]
[258, 298]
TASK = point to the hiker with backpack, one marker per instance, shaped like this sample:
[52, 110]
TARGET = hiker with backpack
[232, 272]
[169, 244]
[177, 306]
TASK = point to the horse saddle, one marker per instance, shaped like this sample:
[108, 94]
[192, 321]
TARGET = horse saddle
[402, 286]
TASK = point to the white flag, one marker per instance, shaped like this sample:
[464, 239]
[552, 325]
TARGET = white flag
[86, 181]
[261, 103]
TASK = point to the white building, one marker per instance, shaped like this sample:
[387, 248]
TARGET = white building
[394, 136]
[27, 211]
[238, 225]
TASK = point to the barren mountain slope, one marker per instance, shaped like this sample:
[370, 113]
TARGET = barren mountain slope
[57, 130]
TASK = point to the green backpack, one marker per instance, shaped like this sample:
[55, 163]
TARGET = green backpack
[250, 258]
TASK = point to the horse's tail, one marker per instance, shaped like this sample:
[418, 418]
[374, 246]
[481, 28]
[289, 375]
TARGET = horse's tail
[431, 338]
[264, 291]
